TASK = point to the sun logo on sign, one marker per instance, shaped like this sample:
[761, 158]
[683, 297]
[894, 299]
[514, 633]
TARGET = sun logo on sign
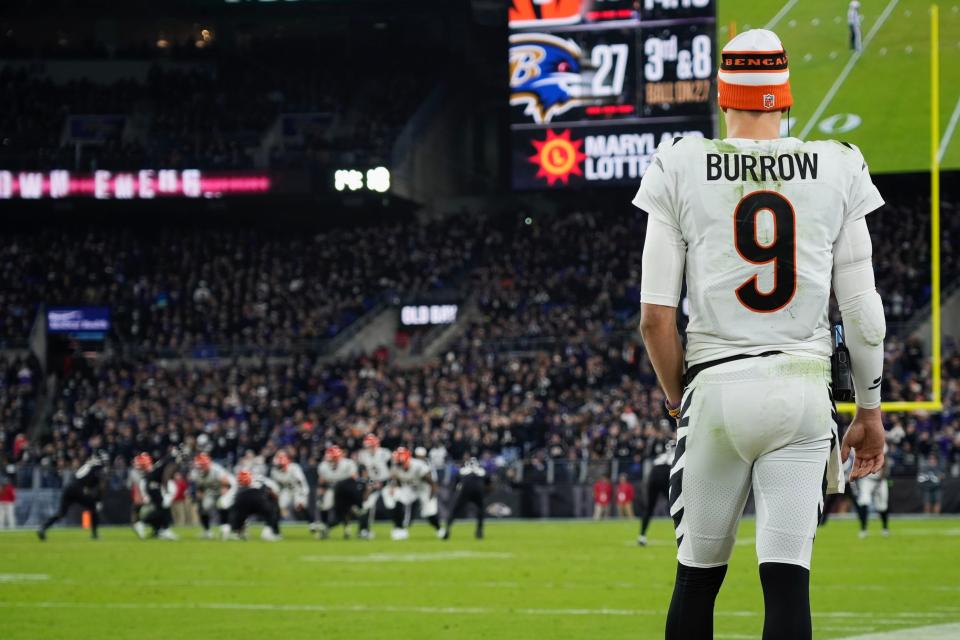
[557, 157]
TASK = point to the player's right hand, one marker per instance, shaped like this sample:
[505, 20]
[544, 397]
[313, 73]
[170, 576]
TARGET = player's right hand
[866, 437]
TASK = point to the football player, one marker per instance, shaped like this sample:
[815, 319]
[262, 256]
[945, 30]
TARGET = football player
[294, 490]
[762, 226]
[158, 496]
[473, 483]
[374, 462]
[334, 468]
[86, 490]
[874, 490]
[658, 484]
[256, 497]
[412, 482]
[216, 490]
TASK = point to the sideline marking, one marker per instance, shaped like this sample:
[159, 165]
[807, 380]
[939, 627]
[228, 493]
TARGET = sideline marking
[847, 69]
[936, 632]
[783, 11]
[892, 619]
[23, 577]
[948, 134]
[411, 557]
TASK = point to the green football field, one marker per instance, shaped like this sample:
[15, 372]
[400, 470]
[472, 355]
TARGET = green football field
[879, 101]
[525, 580]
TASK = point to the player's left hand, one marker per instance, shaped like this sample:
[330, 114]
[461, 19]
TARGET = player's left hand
[866, 437]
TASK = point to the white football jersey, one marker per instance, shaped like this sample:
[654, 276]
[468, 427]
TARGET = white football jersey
[666, 456]
[330, 474]
[413, 475]
[376, 462]
[291, 478]
[213, 479]
[758, 219]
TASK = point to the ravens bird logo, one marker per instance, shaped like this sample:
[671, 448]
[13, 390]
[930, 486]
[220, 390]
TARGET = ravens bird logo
[544, 75]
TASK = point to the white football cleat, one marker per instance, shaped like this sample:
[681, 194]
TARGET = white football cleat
[442, 533]
[399, 534]
[268, 535]
[885, 533]
[863, 534]
[206, 534]
[366, 534]
[140, 529]
[166, 534]
[224, 531]
[642, 541]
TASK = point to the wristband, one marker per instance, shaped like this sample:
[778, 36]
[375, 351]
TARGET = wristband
[672, 409]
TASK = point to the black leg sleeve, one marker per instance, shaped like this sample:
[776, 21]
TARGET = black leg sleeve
[786, 601]
[862, 514]
[691, 609]
[480, 515]
[271, 515]
[399, 511]
[885, 518]
[653, 492]
[205, 520]
[455, 509]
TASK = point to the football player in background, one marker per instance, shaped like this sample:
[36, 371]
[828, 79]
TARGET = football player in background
[256, 497]
[294, 490]
[86, 490]
[762, 226]
[374, 462]
[216, 490]
[412, 483]
[158, 489]
[849, 493]
[853, 22]
[874, 491]
[335, 468]
[658, 484]
[473, 483]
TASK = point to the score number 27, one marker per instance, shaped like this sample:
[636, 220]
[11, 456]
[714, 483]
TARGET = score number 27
[610, 62]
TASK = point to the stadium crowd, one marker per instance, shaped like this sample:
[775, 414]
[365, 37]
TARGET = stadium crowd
[181, 290]
[215, 110]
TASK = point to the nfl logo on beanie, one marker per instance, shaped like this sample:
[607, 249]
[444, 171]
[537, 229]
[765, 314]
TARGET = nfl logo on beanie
[754, 75]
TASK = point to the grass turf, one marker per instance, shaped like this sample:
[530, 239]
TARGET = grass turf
[888, 87]
[527, 579]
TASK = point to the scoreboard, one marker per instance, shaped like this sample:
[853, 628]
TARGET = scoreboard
[596, 85]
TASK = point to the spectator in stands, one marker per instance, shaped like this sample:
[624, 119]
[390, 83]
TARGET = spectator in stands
[625, 495]
[182, 508]
[8, 499]
[602, 492]
[930, 480]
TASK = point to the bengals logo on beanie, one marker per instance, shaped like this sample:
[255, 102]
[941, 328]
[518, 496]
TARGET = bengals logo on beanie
[754, 75]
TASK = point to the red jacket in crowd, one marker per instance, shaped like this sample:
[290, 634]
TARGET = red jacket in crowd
[624, 493]
[601, 491]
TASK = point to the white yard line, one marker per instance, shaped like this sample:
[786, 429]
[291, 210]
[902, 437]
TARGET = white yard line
[889, 620]
[938, 632]
[948, 134]
[846, 70]
[783, 11]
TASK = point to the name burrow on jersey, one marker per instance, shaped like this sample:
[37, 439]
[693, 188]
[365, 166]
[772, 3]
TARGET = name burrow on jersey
[627, 155]
[757, 167]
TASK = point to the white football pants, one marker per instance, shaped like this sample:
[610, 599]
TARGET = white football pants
[765, 423]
